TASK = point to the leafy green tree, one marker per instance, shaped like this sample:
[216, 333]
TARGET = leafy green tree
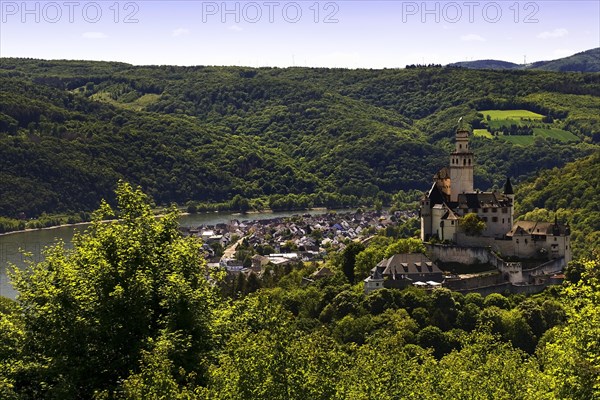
[346, 302]
[253, 283]
[239, 286]
[382, 370]
[571, 356]
[92, 312]
[516, 330]
[380, 300]
[443, 299]
[157, 377]
[239, 203]
[491, 318]
[533, 313]
[12, 342]
[471, 224]
[432, 337]
[413, 297]
[217, 247]
[553, 313]
[487, 368]
[351, 329]
[348, 259]
[498, 300]
[410, 245]
[421, 316]
[396, 324]
[475, 298]
[467, 317]
[263, 356]
[574, 271]
[366, 260]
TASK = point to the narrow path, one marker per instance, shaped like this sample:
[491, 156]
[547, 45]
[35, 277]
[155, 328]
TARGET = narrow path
[229, 252]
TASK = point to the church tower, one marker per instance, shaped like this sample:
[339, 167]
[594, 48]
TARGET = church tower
[461, 166]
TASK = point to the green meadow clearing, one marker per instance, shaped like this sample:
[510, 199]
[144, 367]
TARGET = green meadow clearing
[511, 114]
[135, 104]
[506, 118]
[500, 118]
[555, 133]
[522, 140]
[483, 133]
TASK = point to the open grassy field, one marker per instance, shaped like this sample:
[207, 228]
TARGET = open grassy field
[511, 114]
[483, 133]
[138, 104]
[522, 140]
[556, 133]
[499, 123]
[506, 118]
[500, 118]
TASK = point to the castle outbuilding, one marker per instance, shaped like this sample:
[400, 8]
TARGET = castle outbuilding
[403, 270]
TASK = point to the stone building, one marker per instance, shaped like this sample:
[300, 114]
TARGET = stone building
[532, 239]
[452, 196]
[526, 255]
[402, 270]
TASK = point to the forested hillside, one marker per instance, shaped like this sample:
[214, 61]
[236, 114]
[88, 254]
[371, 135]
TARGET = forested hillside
[485, 64]
[571, 194]
[69, 130]
[585, 61]
[128, 314]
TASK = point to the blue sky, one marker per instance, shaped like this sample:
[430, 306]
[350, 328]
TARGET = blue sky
[343, 33]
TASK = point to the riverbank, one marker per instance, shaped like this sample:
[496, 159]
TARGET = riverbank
[208, 213]
[45, 228]
[67, 226]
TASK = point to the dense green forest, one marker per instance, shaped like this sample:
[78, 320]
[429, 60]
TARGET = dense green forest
[294, 137]
[571, 194]
[129, 314]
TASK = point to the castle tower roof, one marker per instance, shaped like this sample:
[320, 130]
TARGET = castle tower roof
[508, 189]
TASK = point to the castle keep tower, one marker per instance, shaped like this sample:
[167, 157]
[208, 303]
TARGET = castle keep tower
[461, 166]
[508, 192]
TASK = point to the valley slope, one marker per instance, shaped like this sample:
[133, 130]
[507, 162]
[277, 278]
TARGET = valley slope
[69, 130]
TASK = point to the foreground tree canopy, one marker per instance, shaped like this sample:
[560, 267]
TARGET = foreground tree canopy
[127, 292]
[130, 313]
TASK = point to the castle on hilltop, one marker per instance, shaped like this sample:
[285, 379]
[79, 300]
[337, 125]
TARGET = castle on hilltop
[452, 197]
[522, 256]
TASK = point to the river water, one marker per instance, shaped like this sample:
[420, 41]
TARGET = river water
[33, 242]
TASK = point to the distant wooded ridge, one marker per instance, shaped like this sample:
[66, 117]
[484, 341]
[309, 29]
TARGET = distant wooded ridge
[69, 130]
[585, 61]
